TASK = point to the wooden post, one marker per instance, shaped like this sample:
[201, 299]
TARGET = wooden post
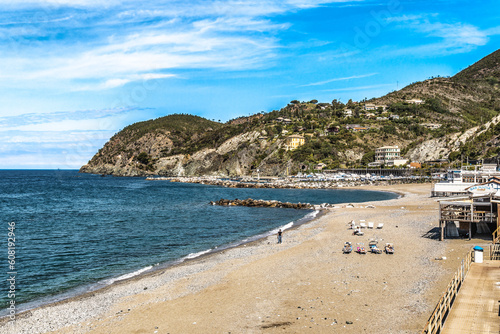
[441, 231]
[491, 208]
[442, 225]
[498, 218]
[471, 216]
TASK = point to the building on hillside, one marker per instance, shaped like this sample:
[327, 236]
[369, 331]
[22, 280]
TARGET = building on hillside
[359, 128]
[371, 106]
[432, 126]
[293, 142]
[386, 153]
[287, 121]
[333, 129]
[396, 162]
[356, 127]
[415, 101]
[415, 165]
[348, 113]
[320, 166]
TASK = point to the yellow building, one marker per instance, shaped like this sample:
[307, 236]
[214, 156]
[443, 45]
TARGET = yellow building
[294, 141]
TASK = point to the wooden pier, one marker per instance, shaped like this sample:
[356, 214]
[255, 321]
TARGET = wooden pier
[476, 309]
[471, 302]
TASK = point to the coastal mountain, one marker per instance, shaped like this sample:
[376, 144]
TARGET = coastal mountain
[439, 118]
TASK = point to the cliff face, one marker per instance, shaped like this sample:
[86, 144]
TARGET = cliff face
[440, 148]
[235, 156]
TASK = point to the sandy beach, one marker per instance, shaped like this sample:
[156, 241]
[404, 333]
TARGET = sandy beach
[304, 285]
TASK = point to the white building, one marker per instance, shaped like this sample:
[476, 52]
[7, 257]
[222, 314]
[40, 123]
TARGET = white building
[415, 101]
[386, 153]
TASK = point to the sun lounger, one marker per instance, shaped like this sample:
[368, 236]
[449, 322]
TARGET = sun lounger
[347, 248]
[362, 225]
[361, 249]
[370, 224]
[373, 247]
[389, 248]
[380, 225]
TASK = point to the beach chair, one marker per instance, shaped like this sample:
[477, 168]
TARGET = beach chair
[362, 225]
[374, 248]
[389, 248]
[361, 248]
[347, 248]
[370, 224]
[380, 225]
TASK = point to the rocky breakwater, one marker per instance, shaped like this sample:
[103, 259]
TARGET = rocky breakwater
[262, 203]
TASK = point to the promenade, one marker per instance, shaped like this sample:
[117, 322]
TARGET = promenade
[476, 309]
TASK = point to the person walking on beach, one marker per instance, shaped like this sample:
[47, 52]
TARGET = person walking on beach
[279, 236]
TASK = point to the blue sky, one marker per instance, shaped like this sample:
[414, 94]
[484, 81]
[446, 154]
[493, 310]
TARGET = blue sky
[74, 72]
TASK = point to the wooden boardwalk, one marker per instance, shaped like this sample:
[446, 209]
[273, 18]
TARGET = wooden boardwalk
[477, 307]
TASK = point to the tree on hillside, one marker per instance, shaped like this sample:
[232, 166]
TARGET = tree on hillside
[337, 104]
[350, 104]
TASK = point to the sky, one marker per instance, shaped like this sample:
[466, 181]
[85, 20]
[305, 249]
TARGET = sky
[75, 72]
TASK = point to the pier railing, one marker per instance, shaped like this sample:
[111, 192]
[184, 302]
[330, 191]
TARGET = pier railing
[494, 252]
[496, 236]
[436, 321]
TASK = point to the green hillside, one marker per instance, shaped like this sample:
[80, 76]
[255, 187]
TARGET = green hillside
[439, 111]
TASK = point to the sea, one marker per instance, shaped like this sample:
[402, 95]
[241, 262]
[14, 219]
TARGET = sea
[65, 233]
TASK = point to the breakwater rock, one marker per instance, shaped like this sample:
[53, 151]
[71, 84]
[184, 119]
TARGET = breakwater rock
[281, 183]
[262, 203]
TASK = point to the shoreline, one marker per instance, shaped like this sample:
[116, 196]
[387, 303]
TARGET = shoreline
[146, 288]
[91, 289]
[155, 270]
[151, 274]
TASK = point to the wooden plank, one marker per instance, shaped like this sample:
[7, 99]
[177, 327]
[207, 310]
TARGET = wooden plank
[476, 308]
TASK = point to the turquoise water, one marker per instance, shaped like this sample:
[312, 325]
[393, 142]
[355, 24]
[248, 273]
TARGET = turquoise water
[77, 232]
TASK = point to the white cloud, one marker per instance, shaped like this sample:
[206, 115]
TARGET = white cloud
[458, 34]
[447, 38]
[340, 79]
[67, 125]
[170, 34]
[346, 89]
[34, 119]
[54, 3]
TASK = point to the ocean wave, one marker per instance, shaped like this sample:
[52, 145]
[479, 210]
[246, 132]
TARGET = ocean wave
[312, 215]
[195, 255]
[127, 276]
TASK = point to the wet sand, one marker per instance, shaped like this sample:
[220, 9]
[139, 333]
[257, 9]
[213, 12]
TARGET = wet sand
[305, 285]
